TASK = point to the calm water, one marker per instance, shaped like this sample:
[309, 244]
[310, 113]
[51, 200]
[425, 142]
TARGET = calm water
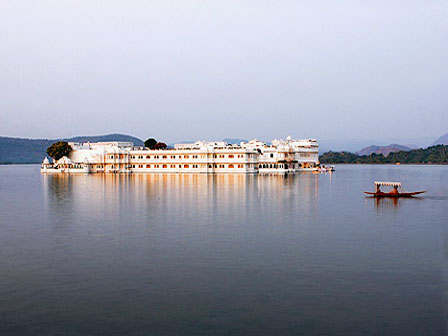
[223, 255]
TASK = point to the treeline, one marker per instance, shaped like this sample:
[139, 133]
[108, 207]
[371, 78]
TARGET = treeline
[431, 155]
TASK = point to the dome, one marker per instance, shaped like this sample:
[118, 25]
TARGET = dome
[65, 160]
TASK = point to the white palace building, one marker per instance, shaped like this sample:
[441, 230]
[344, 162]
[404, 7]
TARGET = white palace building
[282, 156]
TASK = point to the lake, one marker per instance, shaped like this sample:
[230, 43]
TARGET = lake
[304, 254]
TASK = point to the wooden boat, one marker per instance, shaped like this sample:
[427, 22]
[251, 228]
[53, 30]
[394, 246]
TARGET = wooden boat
[393, 193]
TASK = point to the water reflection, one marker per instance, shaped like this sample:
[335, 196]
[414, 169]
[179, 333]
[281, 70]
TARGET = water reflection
[186, 254]
[393, 204]
[386, 202]
[105, 196]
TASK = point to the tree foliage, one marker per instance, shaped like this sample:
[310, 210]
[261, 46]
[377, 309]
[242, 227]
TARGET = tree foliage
[59, 149]
[161, 145]
[151, 143]
[431, 155]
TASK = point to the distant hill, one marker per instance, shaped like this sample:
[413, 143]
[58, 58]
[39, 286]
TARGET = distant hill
[20, 150]
[234, 140]
[385, 150]
[431, 155]
[443, 140]
[107, 137]
[228, 140]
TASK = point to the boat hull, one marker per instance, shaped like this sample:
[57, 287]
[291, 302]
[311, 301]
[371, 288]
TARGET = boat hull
[381, 194]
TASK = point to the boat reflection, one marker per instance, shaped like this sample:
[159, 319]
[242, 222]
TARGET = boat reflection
[391, 203]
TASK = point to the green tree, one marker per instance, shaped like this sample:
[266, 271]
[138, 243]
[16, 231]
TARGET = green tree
[160, 145]
[59, 149]
[151, 143]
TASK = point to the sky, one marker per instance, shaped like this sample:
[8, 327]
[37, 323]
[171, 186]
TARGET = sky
[187, 70]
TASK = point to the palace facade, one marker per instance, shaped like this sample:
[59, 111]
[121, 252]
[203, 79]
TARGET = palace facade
[282, 156]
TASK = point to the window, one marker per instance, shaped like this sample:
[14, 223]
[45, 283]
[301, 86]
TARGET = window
[186, 166]
[230, 156]
[140, 166]
[272, 155]
[231, 166]
[210, 166]
[172, 166]
[148, 166]
[186, 156]
[148, 157]
[164, 157]
[240, 166]
[164, 166]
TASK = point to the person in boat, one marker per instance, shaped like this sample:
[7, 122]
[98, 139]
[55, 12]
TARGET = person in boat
[378, 190]
[394, 191]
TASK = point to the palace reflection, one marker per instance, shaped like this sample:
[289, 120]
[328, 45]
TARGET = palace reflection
[170, 197]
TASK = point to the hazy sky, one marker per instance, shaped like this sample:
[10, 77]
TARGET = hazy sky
[180, 70]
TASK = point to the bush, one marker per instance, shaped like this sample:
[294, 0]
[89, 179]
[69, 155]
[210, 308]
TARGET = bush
[151, 143]
[59, 149]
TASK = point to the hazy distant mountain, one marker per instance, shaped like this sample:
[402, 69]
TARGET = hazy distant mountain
[234, 140]
[354, 145]
[20, 150]
[385, 150]
[443, 140]
[107, 137]
[227, 140]
[431, 155]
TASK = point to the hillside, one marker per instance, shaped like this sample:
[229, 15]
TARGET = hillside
[385, 150]
[431, 155]
[443, 140]
[20, 150]
[234, 140]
